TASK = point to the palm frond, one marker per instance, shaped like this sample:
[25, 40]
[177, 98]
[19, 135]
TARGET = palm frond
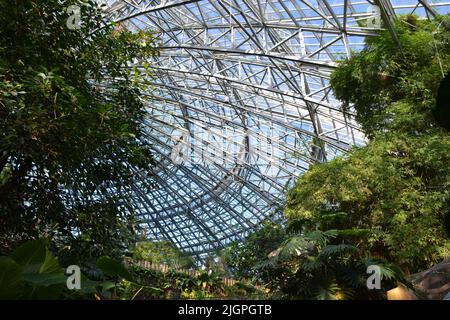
[313, 264]
[389, 272]
[327, 290]
[294, 247]
[321, 238]
[352, 275]
[296, 226]
[338, 249]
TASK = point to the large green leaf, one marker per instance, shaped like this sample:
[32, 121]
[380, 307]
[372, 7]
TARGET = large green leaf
[113, 268]
[45, 279]
[10, 278]
[40, 269]
[91, 286]
[30, 253]
[50, 265]
[37, 292]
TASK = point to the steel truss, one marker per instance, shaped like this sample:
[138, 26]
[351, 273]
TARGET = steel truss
[251, 76]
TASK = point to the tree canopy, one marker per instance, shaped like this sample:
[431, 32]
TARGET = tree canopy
[398, 186]
[385, 72]
[71, 135]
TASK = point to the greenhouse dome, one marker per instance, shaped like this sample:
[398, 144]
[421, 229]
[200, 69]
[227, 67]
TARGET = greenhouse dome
[240, 105]
[225, 150]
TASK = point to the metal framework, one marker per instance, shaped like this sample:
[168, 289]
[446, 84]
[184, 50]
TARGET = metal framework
[241, 104]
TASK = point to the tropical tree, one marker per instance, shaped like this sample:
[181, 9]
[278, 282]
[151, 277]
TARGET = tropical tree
[242, 258]
[398, 186]
[71, 135]
[327, 265]
[317, 258]
[387, 71]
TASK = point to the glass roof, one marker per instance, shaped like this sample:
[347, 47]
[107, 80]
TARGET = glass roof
[241, 105]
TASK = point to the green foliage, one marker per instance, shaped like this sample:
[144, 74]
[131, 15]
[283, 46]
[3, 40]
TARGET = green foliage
[242, 258]
[10, 277]
[152, 284]
[387, 201]
[325, 265]
[384, 73]
[162, 252]
[71, 136]
[113, 268]
[31, 272]
[395, 191]
[396, 186]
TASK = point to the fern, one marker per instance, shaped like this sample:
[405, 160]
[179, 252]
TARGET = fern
[327, 290]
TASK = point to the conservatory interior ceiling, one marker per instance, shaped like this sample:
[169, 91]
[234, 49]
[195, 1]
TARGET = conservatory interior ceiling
[240, 105]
